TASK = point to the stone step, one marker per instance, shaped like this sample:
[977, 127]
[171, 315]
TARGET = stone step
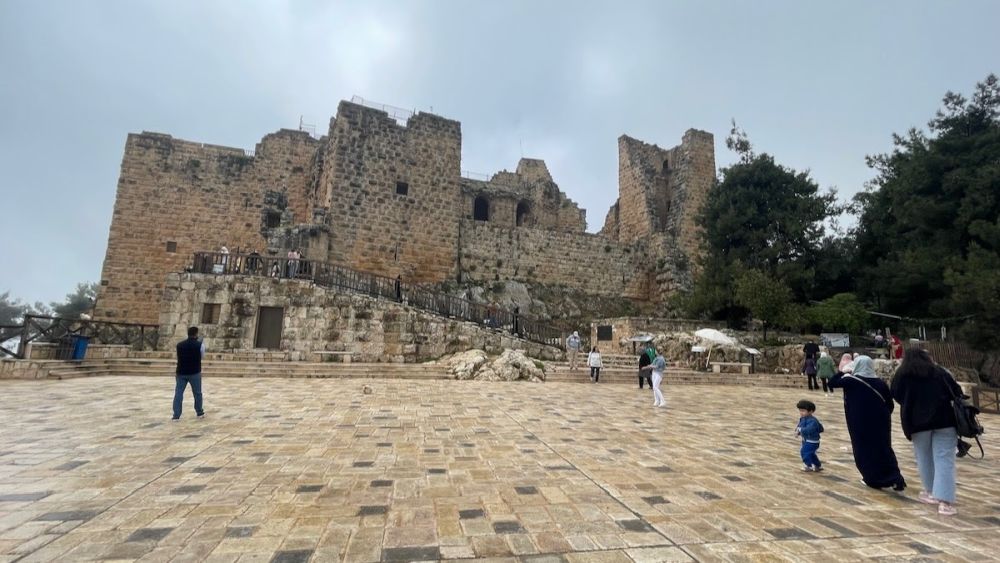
[326, 370]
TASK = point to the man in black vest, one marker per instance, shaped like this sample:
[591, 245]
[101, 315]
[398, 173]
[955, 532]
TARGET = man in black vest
[189, 355]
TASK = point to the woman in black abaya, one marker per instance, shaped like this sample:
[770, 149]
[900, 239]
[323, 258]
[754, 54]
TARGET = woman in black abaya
[868, 408]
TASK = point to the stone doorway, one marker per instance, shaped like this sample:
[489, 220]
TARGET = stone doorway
[269, 321]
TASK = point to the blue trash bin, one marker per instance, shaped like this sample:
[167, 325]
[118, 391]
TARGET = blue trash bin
[80, 347]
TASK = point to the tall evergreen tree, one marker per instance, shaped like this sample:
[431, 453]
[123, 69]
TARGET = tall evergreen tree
[762, 216]
[928, 236]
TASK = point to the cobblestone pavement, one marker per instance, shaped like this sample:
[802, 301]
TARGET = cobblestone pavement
[295, 470]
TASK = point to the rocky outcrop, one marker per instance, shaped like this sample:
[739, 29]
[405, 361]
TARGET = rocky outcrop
[511, 365]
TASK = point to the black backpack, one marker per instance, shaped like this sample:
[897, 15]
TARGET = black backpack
[965, 422]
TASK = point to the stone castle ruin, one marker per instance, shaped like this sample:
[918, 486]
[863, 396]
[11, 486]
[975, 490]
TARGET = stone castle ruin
[388, 198]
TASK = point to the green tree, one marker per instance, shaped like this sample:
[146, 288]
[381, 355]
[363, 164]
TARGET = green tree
[766, 217]
[80, 301]
[11, 310]
[766, 297]
[976, 291]
[841, 312]
[929, 228]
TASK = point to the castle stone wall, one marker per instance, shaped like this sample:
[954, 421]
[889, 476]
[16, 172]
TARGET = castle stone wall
[318, 319]
[372, 227]
[176, 197]
[387, 198]
[589, 263]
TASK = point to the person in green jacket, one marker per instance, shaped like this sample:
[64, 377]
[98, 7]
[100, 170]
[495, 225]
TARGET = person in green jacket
[825, 368]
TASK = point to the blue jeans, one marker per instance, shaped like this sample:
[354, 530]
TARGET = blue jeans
[809, 456]
[935, 453]
[182, 382]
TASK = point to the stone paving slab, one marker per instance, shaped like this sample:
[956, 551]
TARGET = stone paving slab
[314, 470]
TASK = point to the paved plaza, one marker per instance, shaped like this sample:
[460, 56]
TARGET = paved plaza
[315, 470]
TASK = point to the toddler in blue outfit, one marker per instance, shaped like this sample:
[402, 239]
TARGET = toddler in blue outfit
[809, 430]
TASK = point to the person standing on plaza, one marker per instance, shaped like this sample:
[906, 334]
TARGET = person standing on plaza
[573, 348]
[924, 391]
[657, 366]
[595, 363]
[189, 355]
[868, 409]
[825, 369]
[645, 358]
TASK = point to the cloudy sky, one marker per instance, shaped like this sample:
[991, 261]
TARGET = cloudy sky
[817, 84]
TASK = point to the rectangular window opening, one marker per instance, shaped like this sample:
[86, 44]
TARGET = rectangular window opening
[171, 246]
[604, 332]
[210, 313]
[272, 220]
[402, 188]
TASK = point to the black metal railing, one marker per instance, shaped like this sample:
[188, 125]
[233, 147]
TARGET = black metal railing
[42, 328]
[334, 276]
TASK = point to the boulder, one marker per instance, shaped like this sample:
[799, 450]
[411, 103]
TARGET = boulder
[464, 365]
[511, 365]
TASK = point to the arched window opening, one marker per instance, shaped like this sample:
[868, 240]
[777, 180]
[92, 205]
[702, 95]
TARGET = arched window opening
[481, 209]
[523, 213]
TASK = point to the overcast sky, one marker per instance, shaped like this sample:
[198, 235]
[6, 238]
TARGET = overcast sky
[817, 84]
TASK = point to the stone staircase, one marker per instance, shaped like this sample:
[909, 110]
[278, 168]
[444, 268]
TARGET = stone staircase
[165, 368]
[555, 373]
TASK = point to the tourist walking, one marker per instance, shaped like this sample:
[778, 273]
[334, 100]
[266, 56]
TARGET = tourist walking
[868, 409]
[924, 391]
[846, 363]
[189, 355]
[573, 348]
[657, 366]
[646, 358]
[825, 368]
[811, 349]
[809, 370]
[594, 361]
[809, 429]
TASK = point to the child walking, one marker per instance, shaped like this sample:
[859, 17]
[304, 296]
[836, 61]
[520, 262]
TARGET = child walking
[809, 430]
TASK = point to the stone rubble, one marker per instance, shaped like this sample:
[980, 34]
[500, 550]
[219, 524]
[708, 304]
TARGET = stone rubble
[511, 365]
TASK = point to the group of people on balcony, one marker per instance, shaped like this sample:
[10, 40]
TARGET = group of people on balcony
[254, 264]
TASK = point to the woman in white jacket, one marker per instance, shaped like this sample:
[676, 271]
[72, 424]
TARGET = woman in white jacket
[594, 361]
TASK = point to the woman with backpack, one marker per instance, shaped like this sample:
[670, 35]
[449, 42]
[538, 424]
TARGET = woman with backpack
[924, 391]
[868, 409]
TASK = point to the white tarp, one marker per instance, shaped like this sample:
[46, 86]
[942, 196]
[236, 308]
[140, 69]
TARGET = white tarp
[715, 336]
[642, 338]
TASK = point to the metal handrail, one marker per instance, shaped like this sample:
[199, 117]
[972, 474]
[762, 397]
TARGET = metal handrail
[332, 275]
[44, 328]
